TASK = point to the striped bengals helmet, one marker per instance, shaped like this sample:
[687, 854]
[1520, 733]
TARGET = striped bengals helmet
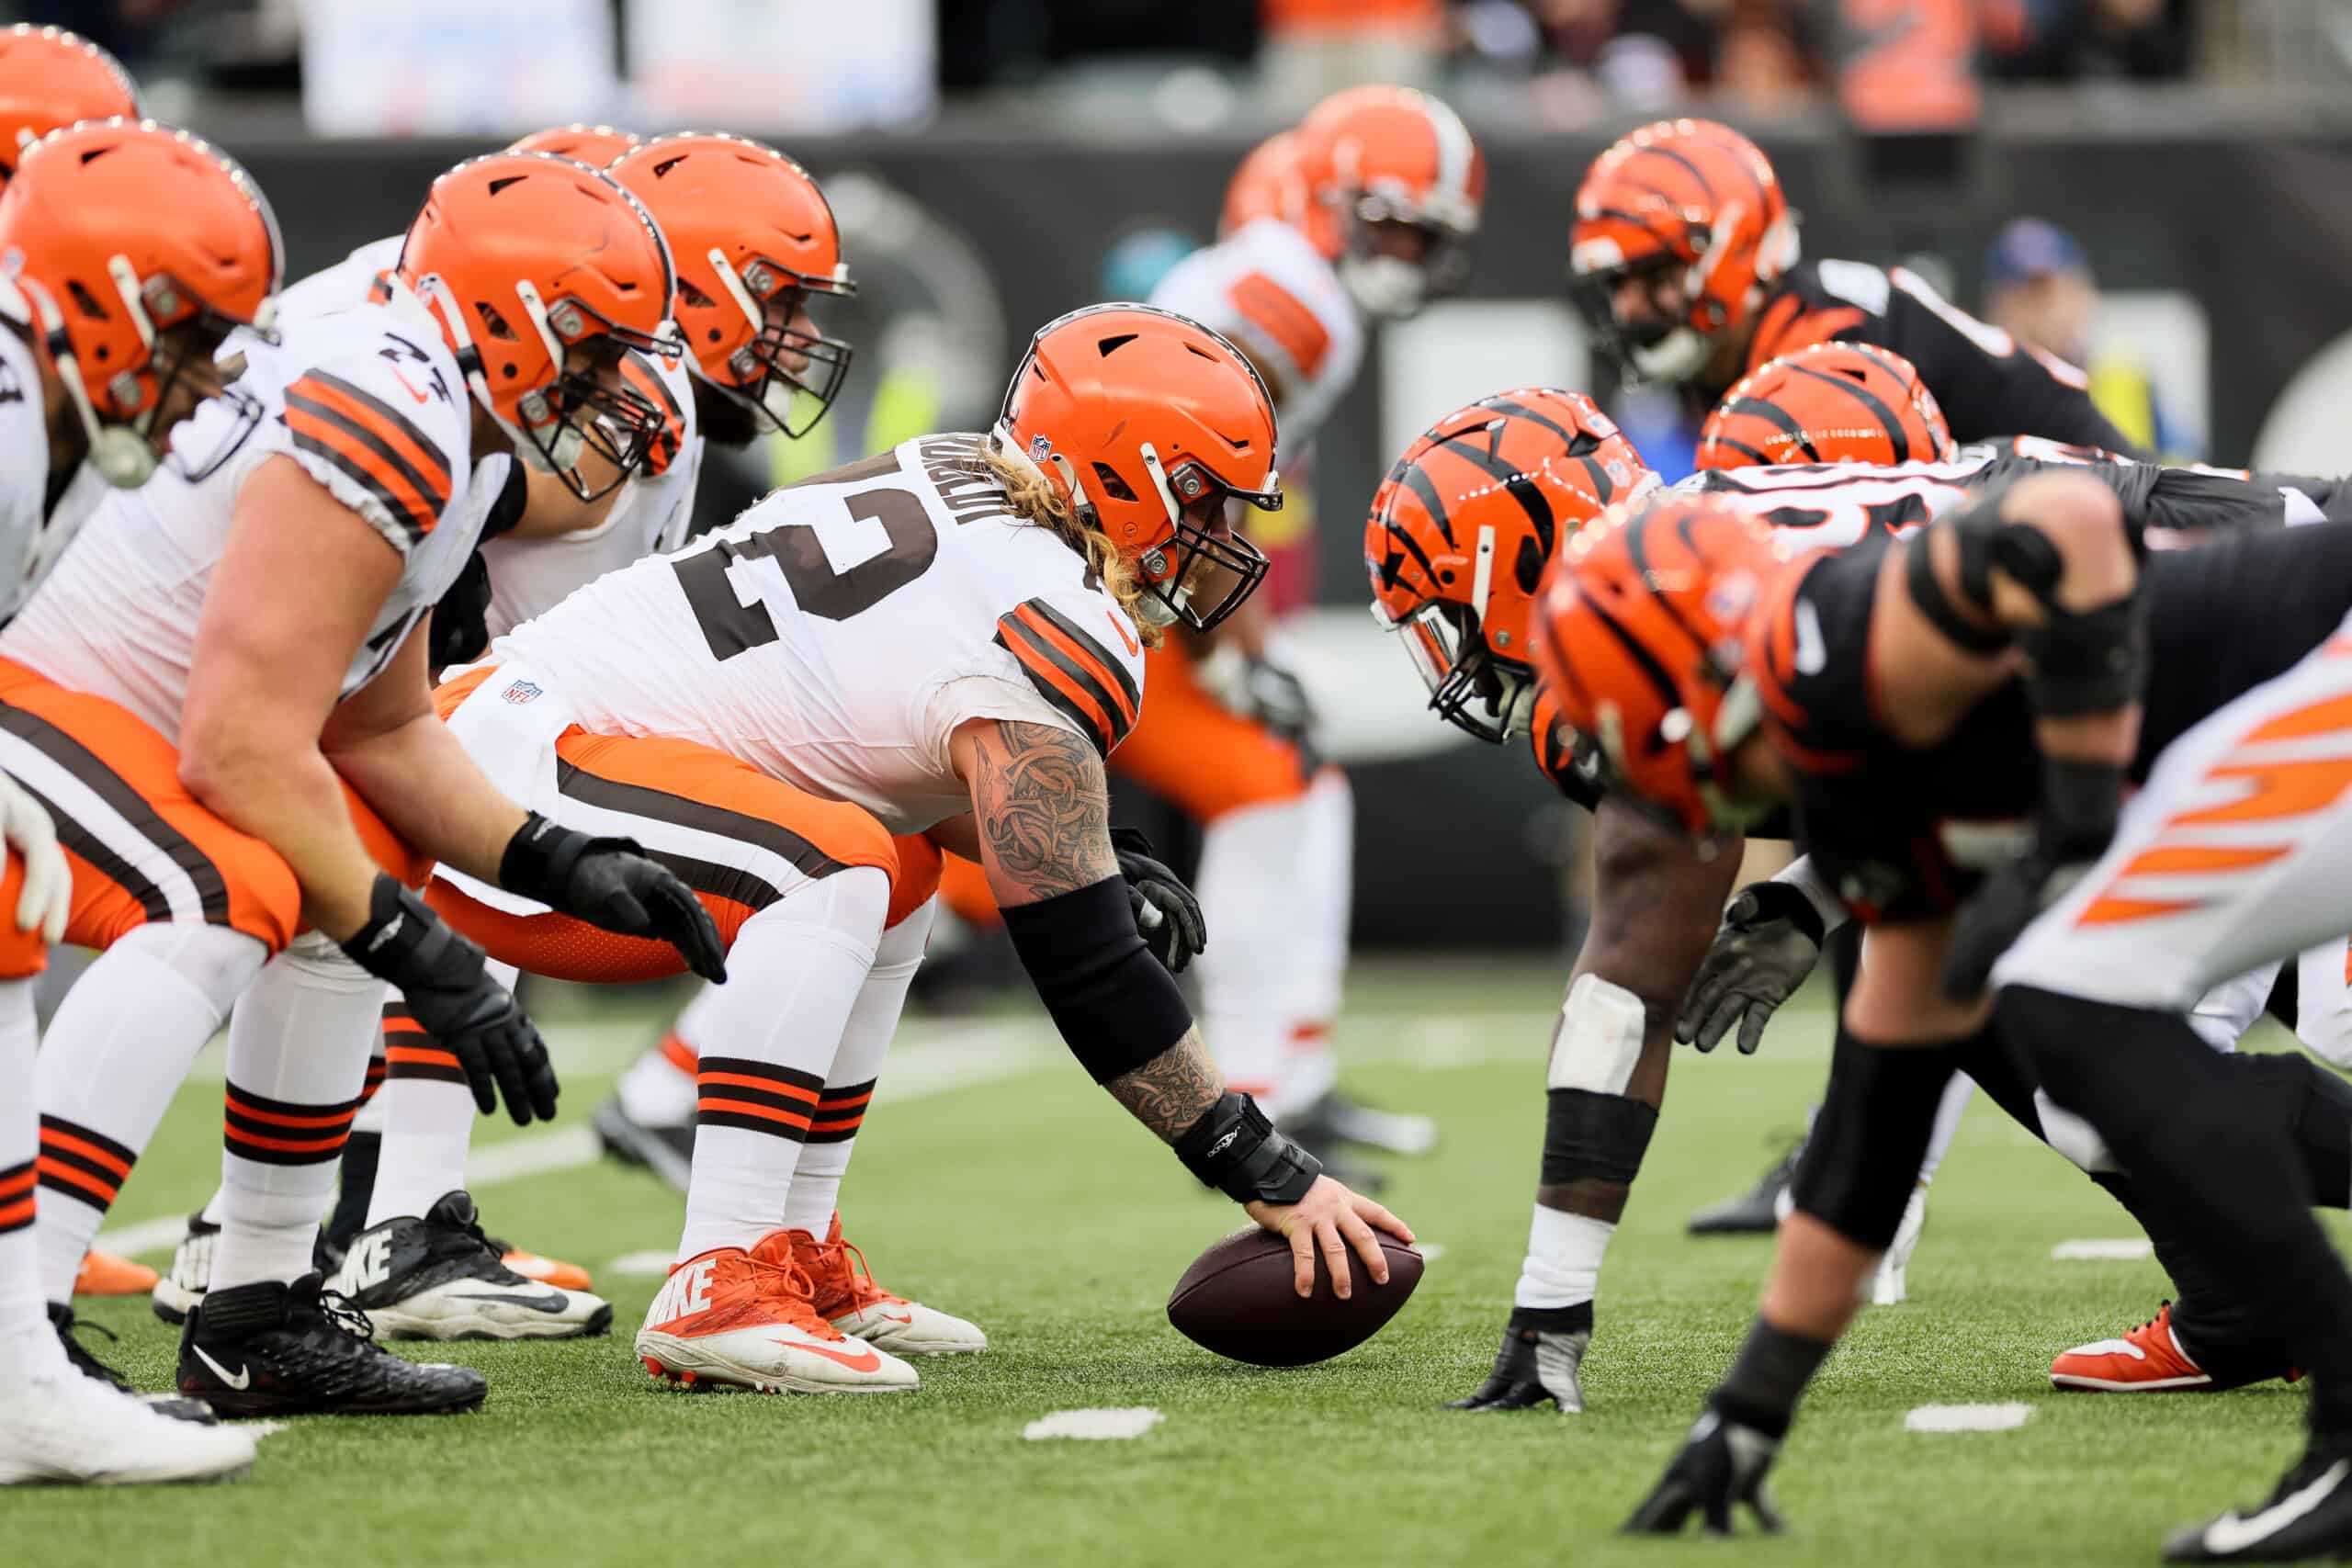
[1462, 527]
[1693, 212]
[1641, 636]
[1831, 402]
[1393, 185]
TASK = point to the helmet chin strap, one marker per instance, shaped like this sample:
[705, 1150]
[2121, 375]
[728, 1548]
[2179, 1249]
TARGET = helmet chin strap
[120, 453]
[1679, 356]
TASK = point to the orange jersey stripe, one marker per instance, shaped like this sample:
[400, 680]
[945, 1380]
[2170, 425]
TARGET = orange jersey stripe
[1082, 704]
[1289, 325]
[373, 442]
[348, 451]
[1085, 657]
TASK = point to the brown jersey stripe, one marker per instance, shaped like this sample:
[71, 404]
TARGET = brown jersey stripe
[390, 422]
[141, 818]
[1062, 687]
[638, 800]
[359, 456]
[1093, 644]
[1082, 656]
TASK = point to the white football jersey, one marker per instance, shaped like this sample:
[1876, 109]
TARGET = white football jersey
[1271, 292]
[30, 537]
[351, 281]
[1838, 503]
[368, 401]
[837, 634]
[530, 577]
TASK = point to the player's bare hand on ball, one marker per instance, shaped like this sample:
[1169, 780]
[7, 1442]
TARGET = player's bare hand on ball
[1331, 1219]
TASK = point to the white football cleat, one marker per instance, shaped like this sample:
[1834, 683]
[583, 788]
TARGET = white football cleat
[62, 1426]
[847, 1296]
[182, 1286]
[733, 1318]
[1889, 1286]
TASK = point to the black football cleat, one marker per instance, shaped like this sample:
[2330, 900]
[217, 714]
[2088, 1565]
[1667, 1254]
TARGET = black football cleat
[1756, 1212]
[439, 1278]
[69, 1329]
[272, 1348]
[1540, 1362]
[2308, 1515]
[668, 1151]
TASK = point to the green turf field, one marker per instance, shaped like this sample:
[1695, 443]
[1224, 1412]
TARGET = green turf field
[1000, 1184]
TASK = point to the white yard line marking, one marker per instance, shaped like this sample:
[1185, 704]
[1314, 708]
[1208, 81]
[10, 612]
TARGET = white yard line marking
[1968, 1417]
[650, 1264]
[1131, 1421]
[2121, 1249]
[1431, 1251]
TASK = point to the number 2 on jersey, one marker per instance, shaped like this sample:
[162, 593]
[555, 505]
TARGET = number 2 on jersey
[731, 626]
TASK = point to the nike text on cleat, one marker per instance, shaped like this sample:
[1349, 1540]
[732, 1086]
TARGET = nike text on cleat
[438, 1277]
[1540, 1361]
[2308, 1516]
[845, 1295]
[63, 1426]
[738, 1318]
[270, 1348]
[104, 1274]
[183, 1285]
[667, 1151]
[2147, 1360]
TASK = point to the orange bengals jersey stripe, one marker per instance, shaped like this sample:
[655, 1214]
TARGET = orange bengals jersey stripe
[1787, 325]
[1073, 671]
[373, 443]
[1288, 325]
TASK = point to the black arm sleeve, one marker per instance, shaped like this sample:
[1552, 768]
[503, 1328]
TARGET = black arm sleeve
[1986, 394]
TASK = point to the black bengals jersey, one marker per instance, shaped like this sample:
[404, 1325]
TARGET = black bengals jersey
[1890, 826]
[1987, 382]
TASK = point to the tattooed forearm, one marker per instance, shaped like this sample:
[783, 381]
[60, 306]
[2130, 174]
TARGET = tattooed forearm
[1044, 810]
[1169, 1092]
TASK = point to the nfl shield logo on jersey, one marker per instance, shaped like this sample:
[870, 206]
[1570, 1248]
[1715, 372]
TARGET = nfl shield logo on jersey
[521, 692]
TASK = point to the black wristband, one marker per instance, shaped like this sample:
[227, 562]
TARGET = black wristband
[2080, 803]
[1236, 1150]
[406, 943]
[1783, 901]
[1764, 1385]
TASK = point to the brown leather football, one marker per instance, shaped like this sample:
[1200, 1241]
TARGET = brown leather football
[1237, 1300]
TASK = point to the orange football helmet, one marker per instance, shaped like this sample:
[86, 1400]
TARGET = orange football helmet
[1640, 638]
[755, 242]
[1462, 527]
[1691, 213]
[1830, 402]
[543, 274]
[1270, 183]
[142, 249]
[1148, 423]
[594, 145]
[1394, 184]
[50, 79]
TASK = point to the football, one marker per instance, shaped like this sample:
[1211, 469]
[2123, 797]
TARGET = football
[1237, 1300]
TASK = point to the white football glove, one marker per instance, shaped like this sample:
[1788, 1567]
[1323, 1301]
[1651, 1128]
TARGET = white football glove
[48, 896]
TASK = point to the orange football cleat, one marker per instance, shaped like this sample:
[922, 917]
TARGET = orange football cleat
[2147, 1360]
[744, 1319]
[104, 1274]
[546, 1270]
[844, 1291]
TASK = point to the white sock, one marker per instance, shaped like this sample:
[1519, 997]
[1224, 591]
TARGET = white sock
[114, 1056]
[27, 1345]
[771, 1035]
[1248, 996]
[857, 1065]
[1564, 1254]
[658, 1090]
[1324, 888]
[429, 1114]
[299, 1044]
[1956, 1094]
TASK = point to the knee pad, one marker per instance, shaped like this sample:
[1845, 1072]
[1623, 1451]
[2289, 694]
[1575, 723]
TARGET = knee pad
[1862, 1156]
[219, 962]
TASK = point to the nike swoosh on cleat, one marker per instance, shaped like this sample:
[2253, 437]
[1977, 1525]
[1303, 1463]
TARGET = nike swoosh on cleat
[2230, 1533]
[550, 1301]
[244, 1374]
[865, 1361]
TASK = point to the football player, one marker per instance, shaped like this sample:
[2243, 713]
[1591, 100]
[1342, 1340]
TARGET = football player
[1363, 212]
[231, 764]
[1684, 258]
[1458, 535]
[968, 672]
[1722, 673]
[182, 248]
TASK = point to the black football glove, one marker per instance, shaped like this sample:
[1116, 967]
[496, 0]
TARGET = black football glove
[1770, 940]
[611, 883]
[460, 630]
[2072, 827]
[1167, 915]
[452, 997]
[1540, 1361]
[1722, 1464]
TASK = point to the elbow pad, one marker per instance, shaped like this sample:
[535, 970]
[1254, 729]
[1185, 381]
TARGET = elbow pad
[2087, 662]
[1115, 1006]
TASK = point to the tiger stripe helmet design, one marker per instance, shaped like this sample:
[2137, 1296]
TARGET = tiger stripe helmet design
[1641, 636]
[50, 79]
[1692, 212]
[1072, 669]
[1375, 160]
[1462, 527]
[1831, 402]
